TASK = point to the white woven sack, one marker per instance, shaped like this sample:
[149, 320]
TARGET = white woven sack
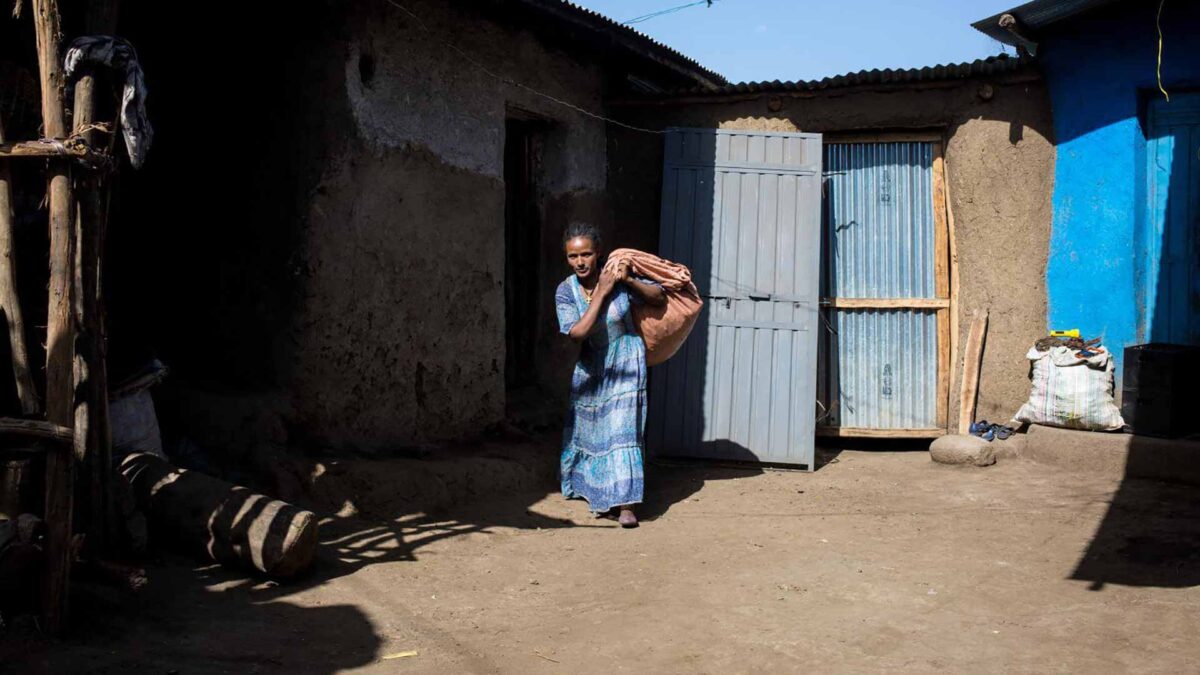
[1071, 392]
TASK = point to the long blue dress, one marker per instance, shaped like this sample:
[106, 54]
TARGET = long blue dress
[602, 439]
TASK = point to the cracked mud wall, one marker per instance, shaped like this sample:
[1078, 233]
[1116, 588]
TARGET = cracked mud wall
[345, 267]
[400, 336]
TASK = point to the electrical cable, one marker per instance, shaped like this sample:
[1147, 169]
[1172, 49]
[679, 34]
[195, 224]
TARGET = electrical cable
[663, 12]
[1158, 24]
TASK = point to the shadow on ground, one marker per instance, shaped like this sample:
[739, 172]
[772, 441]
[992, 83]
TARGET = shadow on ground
[1150, 536]
[198, 618]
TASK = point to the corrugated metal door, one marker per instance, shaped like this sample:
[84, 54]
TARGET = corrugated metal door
[884, 344]
[742, 209]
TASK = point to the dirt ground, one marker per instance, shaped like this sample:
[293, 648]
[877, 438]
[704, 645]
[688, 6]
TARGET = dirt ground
[879, 561]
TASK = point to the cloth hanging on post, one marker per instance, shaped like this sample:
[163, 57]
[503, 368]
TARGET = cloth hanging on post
[117, 54]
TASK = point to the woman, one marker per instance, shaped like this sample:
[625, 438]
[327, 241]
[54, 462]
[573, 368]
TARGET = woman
[602, 441]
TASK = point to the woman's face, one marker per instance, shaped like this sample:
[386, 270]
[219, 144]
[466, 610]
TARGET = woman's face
[581, 256]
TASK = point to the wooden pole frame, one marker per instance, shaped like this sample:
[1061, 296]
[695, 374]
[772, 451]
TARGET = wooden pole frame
[10, 301]
[92, 433]
[60, 463]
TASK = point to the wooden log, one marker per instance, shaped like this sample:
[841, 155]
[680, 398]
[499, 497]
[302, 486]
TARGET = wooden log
[972, 361]
[93, 437]
[9, 301]
[74, 147]
[37, 431]
[222, 521]
[60, 464]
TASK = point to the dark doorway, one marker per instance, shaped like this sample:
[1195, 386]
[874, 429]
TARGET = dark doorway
[522, 251]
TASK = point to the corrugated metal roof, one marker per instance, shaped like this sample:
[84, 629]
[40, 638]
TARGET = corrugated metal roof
[1036, 15]
[993, 65]
[706, 78]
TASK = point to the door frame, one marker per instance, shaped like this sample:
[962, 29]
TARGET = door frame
[945, 284]
[1152, 242]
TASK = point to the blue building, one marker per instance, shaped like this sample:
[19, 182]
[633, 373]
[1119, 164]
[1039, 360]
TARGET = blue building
[1124, 248]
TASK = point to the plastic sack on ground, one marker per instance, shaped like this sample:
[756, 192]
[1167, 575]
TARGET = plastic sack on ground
[663, 328]
[1072, 392]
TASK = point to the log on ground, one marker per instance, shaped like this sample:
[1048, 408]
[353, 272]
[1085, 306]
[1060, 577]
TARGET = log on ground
[225, 522]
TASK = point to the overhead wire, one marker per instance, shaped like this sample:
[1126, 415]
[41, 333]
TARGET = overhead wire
[669, 10]
[513, 83]
[1158, 24]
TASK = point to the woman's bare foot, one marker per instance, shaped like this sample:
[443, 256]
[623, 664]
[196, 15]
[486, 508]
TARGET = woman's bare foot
[627, 519]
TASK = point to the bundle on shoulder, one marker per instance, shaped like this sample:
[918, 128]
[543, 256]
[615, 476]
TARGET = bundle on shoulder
[664, 328]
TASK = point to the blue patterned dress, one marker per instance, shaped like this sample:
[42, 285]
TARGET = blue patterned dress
[602, 439]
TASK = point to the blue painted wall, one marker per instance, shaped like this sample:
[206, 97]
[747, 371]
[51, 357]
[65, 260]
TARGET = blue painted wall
[1101, 71]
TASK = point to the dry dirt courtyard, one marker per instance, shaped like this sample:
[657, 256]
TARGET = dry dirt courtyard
[879, 561]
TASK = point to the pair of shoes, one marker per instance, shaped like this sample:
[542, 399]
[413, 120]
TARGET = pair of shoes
[983, 430]
[988, 432]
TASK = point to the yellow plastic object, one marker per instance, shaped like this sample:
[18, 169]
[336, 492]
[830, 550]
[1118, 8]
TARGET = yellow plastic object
[1073, 333]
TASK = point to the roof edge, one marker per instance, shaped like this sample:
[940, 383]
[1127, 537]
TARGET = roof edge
[1033, 17]
[630, 39]
[991, 66]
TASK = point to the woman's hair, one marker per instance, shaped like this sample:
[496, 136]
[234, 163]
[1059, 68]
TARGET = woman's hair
[580, 229]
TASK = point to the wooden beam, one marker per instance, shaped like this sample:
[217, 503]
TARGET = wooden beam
[36, 430]
[884, 137]
[972, 361]
[70, 148]
[10, 302]
[59, 379]
[941, 276]
[886, 303]
[722, 98]
[854, 432]
[1014, 27]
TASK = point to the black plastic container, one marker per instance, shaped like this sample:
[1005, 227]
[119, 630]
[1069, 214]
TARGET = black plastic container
[1159, 390]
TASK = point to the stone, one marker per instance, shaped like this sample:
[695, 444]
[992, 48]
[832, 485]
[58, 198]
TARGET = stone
[963, 450]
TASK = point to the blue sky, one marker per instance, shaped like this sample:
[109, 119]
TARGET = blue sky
[810, 39]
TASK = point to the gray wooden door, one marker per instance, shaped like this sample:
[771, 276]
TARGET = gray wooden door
[742, 210]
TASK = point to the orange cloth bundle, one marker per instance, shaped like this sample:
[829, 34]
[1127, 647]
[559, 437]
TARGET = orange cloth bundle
[663, 328]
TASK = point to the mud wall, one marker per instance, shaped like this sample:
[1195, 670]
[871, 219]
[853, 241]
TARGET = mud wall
[338, 267]
[1000, 167]
[402, 334]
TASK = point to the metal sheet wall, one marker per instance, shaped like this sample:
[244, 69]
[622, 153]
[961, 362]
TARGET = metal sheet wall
[883, 366]
[879, 217]
[878, 369]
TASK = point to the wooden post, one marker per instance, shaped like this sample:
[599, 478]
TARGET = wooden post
[9, 301]
[952, 236]
[972, 361]
[59, 386]
[941, 267]
[93, 437]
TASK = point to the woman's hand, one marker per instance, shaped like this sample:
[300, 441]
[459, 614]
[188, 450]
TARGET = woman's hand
[623, 271]
[607, 282]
